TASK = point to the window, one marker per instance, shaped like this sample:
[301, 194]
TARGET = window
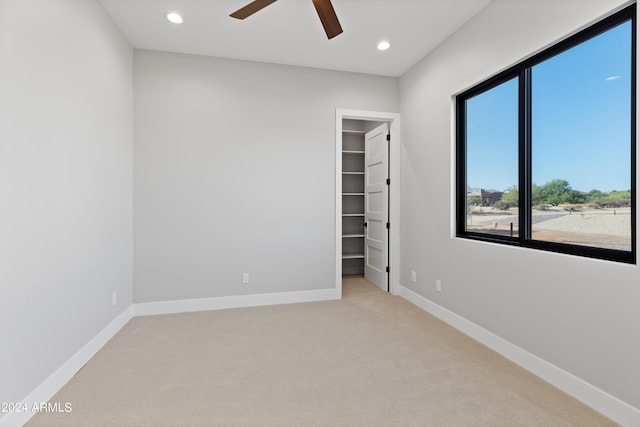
[546, 149]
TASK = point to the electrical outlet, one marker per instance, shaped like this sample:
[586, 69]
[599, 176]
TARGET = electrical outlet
[245, 278]
[438, 286]
[114, 298]
[413, 276]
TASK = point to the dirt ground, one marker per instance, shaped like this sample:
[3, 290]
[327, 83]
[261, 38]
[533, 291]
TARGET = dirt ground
[604, 228]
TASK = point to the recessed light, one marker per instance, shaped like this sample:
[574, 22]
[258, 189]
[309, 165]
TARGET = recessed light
[384, 45]
[174, 17]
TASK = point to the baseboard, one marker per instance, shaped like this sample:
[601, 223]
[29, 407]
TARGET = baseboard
[610, 406]
[239, 301]
[49, 387]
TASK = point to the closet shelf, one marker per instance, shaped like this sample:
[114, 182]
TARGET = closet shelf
[352, 173]
[353, 194]
[353, 256]
[352, 236]
[352, 152]
[358, 214]
[353, 131]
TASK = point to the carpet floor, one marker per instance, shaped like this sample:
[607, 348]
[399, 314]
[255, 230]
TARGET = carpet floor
[370, 359]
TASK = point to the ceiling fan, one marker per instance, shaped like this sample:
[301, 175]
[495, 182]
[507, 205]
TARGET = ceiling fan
[324, 8]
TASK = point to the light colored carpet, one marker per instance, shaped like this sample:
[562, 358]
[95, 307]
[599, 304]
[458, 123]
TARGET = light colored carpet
[371, 359]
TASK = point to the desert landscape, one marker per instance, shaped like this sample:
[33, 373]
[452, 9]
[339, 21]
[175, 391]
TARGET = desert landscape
[578, 225]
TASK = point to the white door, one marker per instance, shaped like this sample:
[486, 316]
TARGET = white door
[376, 206]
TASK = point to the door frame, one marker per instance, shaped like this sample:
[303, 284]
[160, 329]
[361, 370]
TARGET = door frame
[394, 191]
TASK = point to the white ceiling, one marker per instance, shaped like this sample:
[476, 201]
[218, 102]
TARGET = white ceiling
[289, 31]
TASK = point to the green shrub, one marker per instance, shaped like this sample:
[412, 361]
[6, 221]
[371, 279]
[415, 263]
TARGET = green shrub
[503, 205]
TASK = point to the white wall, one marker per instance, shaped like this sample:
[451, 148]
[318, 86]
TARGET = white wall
[581, 315]
[66, 110]
[234, 172]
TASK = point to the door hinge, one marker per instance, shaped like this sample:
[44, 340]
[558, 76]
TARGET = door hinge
[388, 226]
[388, 181]
[388, 137]
[387, 269]
[365, 224]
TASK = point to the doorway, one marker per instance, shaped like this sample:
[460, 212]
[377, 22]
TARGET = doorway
[367, 196]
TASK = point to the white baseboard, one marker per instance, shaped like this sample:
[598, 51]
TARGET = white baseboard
[49, 387]
[610, 406]
[239, 301]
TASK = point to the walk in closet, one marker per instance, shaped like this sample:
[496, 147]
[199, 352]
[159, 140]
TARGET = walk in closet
[352, 197]
[356, 193]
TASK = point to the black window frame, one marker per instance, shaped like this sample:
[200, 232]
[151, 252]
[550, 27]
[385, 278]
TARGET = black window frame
[522, 71]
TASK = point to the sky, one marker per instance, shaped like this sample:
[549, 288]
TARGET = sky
[580, 120]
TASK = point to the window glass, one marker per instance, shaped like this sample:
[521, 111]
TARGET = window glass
[492, 160]
[580, 142]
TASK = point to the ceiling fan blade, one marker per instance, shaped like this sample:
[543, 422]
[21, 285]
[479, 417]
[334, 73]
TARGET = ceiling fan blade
[328, 17]
[251, 8]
